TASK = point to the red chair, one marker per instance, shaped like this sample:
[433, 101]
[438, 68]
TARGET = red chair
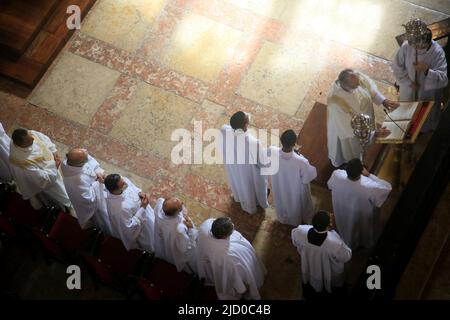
[66, 239]
[148, 290]
[114, 264]
[22, 213]
[171, 283]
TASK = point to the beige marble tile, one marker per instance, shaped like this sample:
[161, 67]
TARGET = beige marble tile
[75, 88]
[122, 23]
[150, 118]
[280, 77]
[200, 47]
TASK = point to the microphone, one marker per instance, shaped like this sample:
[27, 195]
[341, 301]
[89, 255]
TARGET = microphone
[385, 111]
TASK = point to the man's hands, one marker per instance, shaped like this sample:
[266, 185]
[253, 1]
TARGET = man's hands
[188, 222]
[382, 132]
[144, 199]
[420, 67]
[57, 159]
[390, 105]
[101, 177]
[365, 172]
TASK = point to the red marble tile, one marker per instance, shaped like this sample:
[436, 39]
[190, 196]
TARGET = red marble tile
[162, 77]
[10, 108]
[159, 37]
[100, 52]
[227, 83]
[113, 106]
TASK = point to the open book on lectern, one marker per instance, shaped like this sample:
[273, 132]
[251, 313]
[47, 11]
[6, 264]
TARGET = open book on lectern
[399, 118]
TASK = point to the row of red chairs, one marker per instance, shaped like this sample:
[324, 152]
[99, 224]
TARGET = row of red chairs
[61, 238]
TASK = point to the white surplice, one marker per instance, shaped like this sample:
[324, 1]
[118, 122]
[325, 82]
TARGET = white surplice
[356, 207]
[291, 190]
[431, 85]
[244, 156]
[130, 222]
[5, 141]
[174, 241]
[342, 143]
[87, 194]
[322, 266]
[231, 264]
[35, 173]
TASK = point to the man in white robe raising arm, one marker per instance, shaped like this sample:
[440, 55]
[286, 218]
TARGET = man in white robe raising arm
[228, 261]
[130, 214]
[83, 178]
[34, 165]
[357, 197]
[5, 170]
[175, 234]
[244, 157]
[431, 71]
[352, 93]
[323, 255]
[291, 190]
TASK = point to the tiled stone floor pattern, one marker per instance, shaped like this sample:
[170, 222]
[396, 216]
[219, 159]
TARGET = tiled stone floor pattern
[137, 70]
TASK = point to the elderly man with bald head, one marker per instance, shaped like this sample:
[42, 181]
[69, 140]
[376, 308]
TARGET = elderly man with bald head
[175, 234]
[83, 178]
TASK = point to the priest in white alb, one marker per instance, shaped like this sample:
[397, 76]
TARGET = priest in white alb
[83, 178]
[175, 234]
[244, 157]
[5, 142]
[228, 261]
[34, 164]
[323, 254]
[431, 69]
[290, 185]
[357, 197]
[352, 93]
[130, 214]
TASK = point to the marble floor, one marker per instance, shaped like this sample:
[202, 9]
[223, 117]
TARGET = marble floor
[139, 69]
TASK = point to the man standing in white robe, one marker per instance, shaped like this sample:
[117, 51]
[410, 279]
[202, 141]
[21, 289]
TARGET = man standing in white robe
[357, 196]
[290, 185]
[352, 93]
[323, 254]
[431, 71]
[175, 234]
[5, 142]
[83, 178]
[244, 157]
[228, 261]
[130, 214]
[34, 163]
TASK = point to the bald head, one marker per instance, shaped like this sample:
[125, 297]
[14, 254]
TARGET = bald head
[77, 157]
[348, 79]
[172, 206]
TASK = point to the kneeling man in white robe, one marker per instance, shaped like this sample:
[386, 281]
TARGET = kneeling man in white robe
[244, 157]
[175, 234]
[34, 164]
[353, 93]
[323, 253]
[290, 185]
[431, 70]
[228, 261]
[131, 217]
[357, 197]
[5, 142]
[83, 178]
